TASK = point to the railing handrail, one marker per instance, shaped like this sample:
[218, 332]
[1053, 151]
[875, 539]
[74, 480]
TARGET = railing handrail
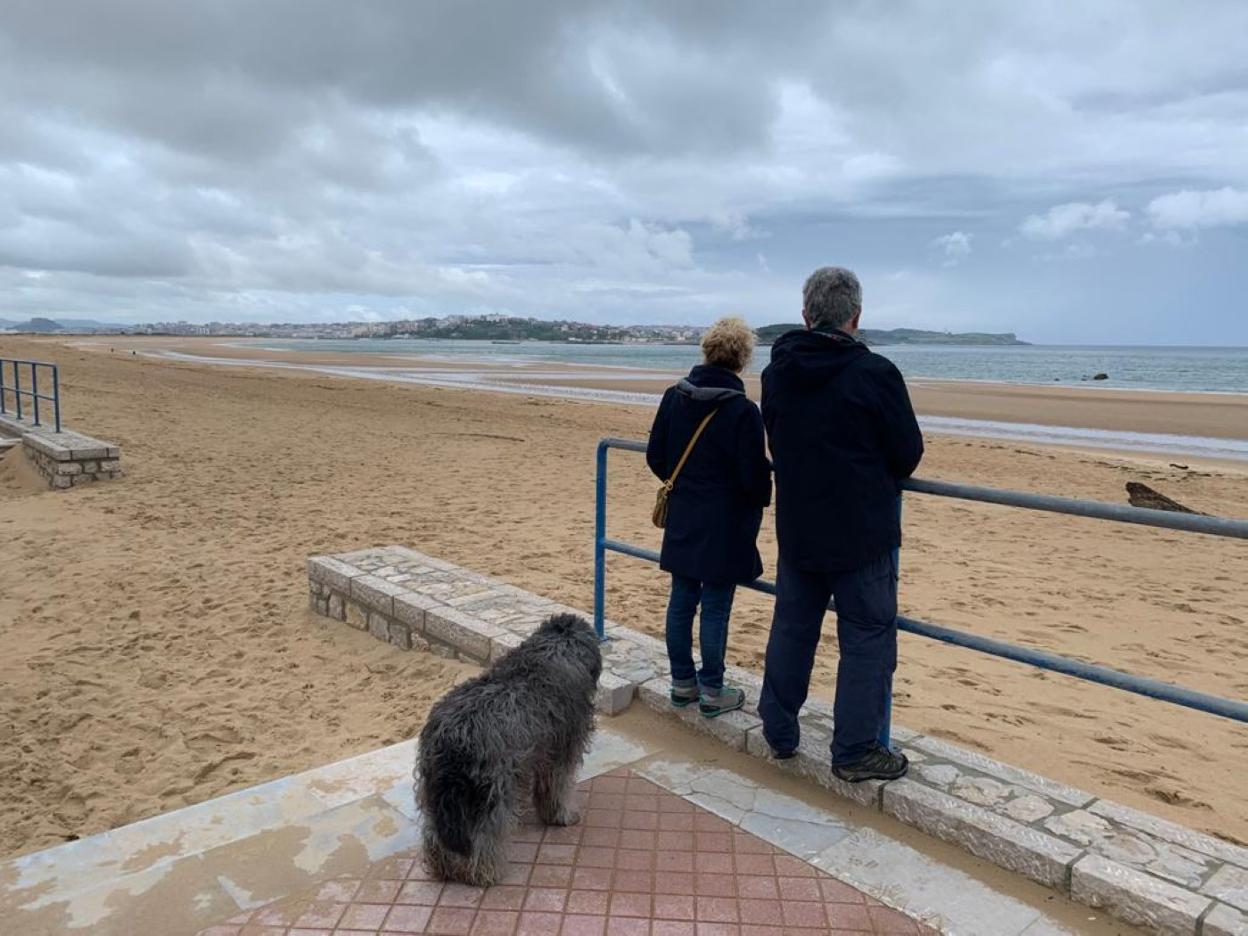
[1097, 510]
[33, 393]
[1042, 659]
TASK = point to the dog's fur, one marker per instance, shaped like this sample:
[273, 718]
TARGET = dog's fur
[520, 729]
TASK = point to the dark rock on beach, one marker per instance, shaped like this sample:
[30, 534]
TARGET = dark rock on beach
[1141, 495]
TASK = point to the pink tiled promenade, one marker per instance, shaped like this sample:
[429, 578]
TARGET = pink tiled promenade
[643, 862]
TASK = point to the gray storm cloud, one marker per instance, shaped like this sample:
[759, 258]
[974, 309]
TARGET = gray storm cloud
[617, 161]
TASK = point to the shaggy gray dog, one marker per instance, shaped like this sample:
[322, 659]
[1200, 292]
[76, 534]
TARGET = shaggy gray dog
[520, 729]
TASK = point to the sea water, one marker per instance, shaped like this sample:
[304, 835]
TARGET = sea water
[1191, 369]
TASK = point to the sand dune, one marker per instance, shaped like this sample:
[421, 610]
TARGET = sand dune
[158, 649]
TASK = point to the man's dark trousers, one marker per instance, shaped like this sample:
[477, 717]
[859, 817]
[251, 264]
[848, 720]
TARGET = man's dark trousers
[866, 626]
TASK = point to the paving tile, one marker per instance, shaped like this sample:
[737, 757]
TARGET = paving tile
[627, 926]
[425, 893]
[495, 923]
[673, 928]
[701, 876]
[546, 899]
[386, 892]
[407, 919]
[364, 916]
[584, 925]
[551, 876]
[539, 924]
[587, 902]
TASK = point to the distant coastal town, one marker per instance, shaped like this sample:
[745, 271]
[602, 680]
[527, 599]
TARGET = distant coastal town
[477, 328]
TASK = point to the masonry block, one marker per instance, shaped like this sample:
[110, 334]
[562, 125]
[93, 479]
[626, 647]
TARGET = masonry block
[1171, 832]
[813, 762]
[1136, 897]
[375, 593]
[400, 636]
[379, 625]
[336, 608]
[614, 694]
[332, 572]
[1230, 885]
[411, 610]
[942, 750]
[357, 616]
[503, 644]
[446, 651]
[1224, 921]
[982, 832]
[461, 631]
[730, 728]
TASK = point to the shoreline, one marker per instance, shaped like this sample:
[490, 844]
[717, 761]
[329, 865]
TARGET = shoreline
[488, 360]
[1085, 418]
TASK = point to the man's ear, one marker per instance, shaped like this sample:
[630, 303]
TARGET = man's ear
[853, 323]
[805, 318]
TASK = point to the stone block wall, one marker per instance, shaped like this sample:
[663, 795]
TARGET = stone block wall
[65, 459]
[1141, 869]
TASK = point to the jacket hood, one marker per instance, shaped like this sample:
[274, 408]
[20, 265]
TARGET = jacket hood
[814, 357]
[709, 384]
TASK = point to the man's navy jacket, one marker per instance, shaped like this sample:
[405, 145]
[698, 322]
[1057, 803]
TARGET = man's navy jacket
[843, 436]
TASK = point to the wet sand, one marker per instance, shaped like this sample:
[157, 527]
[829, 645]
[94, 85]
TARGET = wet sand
[159, 650]
[1215, 415]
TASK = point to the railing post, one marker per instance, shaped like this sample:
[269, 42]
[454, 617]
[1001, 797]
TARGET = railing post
[56, 396]
[34, 388]
[17, 388]
[3, 405]
[886, 726]
[600, 536]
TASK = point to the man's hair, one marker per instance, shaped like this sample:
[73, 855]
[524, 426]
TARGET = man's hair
[832, 296]
[729, 343]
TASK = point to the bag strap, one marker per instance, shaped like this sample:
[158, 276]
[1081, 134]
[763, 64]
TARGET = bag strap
[689, 448]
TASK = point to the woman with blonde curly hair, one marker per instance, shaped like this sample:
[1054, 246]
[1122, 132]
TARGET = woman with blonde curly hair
[714, 510]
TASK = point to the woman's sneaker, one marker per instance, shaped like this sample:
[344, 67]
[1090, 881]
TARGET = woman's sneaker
[716, 702]
[683, 695]
[879, 764]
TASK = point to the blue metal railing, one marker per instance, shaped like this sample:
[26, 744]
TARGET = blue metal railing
[33, 393]
[1141, 685]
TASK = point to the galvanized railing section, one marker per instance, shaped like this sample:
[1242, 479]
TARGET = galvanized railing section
[19, 393]
[1141, 685]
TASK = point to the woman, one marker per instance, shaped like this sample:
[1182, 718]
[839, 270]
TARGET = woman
[714, 509]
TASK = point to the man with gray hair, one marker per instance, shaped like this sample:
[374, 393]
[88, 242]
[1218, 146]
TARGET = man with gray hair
[843, 436]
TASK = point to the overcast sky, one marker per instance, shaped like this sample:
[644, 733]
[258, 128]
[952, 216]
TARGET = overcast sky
[1072, 172]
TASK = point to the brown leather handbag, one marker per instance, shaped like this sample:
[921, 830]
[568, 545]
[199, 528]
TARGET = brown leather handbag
[659, 516]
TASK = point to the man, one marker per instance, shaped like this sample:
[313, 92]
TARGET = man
[843, 435]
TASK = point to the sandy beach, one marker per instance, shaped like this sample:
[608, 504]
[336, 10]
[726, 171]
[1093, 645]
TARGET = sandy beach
[159, 650]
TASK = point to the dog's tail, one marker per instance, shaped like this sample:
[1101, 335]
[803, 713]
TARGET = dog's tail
[456, 803]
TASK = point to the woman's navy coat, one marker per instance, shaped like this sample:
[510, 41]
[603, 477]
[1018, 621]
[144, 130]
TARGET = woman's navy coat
[716, 507]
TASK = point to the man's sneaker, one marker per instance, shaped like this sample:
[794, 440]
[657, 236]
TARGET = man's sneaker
[717, 702]
[683, 695]
[879, 764]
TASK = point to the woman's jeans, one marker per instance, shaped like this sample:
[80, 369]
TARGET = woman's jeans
[716, 601]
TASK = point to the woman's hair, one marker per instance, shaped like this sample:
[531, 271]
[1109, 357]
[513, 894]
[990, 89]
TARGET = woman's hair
[729, 344]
